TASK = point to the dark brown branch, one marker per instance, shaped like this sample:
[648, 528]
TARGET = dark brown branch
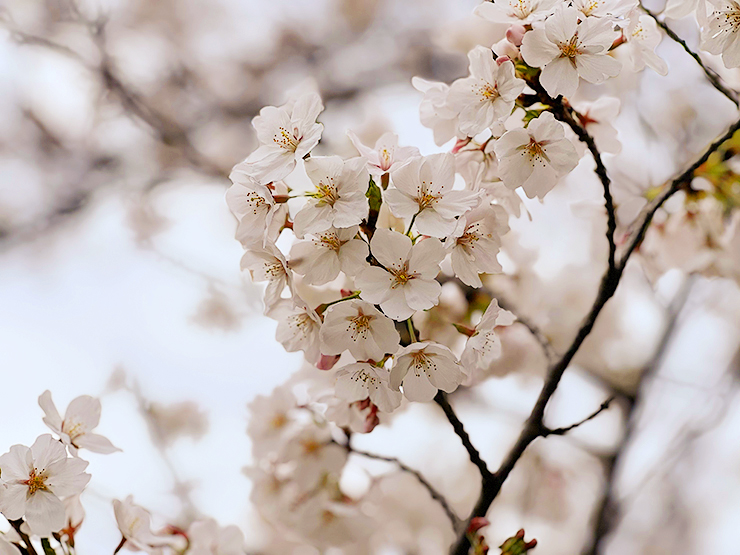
[16, 524]
[436, 495]
[565, 430]
[712, 76]
[473, 454]
[534, 427]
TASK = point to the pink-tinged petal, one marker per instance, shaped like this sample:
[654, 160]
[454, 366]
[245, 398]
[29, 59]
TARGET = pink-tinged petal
[597, 68]
[270, 163]
[431, 222]
[561, 26]
[395, 305]
[13, 500]
[563, 156]
[438, 171]
[731, 53]
[385, 398]
[85, 410]
[374, 284]
[418, 388]
[406, 178]
[16, 464]
[7, 548]
[312, 218]
[97, 444]
[422, 294]
[537, 50]
[323, 169]
[510, 142]
[464, 268]
[400, 204]
[447, 375]
[44, 513]
[51, 414]
[351, 382]
[559, 77]
[365, 151]
[67, 477]
[456, 203]
[306, 109]
[268, 121]
[353, 256]
[541, 182]
[390, 248]
[47, 450]
[426, 257]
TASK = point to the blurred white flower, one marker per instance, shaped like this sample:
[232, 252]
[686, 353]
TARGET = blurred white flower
[208, 538]
[488, 95]
[423, 368]
[286, 134]
[134, 523]
[422, 189]
[643, 37]
[35, 479]
[434, 111]
[567, 50]
[313, 455]
[514, 11]
[81, 417]
[537, 157]
[338, 199]
[406, 282]
[597, 117]
[320, 258]
[359, 327]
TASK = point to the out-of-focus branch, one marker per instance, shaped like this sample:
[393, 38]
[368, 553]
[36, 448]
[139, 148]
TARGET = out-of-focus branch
[534, 427]
[712, 76]
[562, 431]
[436, 495]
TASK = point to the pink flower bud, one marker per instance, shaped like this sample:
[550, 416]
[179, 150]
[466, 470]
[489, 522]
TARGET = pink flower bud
[515, 34]
[505, 48]
[327, 362]
[502, 59]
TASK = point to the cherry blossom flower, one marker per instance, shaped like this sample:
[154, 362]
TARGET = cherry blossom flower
[612, 9]
[386, 156]
[488, 95]
[406, 281]
[361, 380]
[537, 157]
[643, 37]
[484, 346]
[268, 264]
[81, 417]
[320, 259]
[134, 523]
[338, 199]
[35, 479]
[514, 11]
[272, 418]
[677, 9]
[298, 328]
[260, 217]
[314, 455]
[567, 50]
[286, 134]
[423, 368]
[434, 111]
[422, 189]
[359, 327]
[208, 538]
[721, 33]
[475, 243]
[596, 118]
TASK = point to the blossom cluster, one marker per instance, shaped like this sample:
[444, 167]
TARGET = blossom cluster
[41, 488]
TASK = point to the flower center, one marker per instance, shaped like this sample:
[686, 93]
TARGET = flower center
[360, 325]
[331, 241]
[730, 19]
[570, 49]
[287, 140]
[489, 92]
[326, 192]
[36, 481]
[73, 430]
[385, 159]
[520, 8]
[537, 150]
[401, 276]
[422, 363]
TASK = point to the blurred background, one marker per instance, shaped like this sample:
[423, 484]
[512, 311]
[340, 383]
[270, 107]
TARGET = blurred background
[119, 274]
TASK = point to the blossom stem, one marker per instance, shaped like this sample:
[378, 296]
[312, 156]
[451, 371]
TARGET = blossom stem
[120, 546]
[411, 225]
[321, 308]
[714, 79]
[412, 331]
[16, 524]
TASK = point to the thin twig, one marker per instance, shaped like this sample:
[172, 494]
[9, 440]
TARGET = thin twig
[714, 79]
[16, 524]
[473, 454]
[565, 430]
[436, 495]
[534, 427]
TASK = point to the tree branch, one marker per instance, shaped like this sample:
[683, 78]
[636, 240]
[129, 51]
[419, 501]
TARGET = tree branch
[714, 79]
[565, 430]
[475, 458]
[534, 427]
[436, 495]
